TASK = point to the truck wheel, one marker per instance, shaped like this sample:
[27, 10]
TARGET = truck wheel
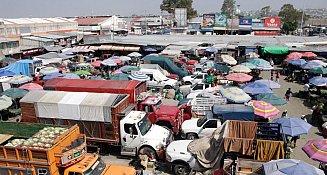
[180, 169]
[191, 136]
[149, 152]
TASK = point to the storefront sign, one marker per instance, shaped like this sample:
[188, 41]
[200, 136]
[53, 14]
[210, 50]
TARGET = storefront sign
[220, 20]
[208, 20]
[272, 22]
[245, 21]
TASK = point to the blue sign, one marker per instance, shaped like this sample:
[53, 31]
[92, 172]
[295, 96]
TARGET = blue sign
[246, 21]
[220, 20]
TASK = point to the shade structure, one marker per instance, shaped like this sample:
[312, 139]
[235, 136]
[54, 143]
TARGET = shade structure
[222, 68]
[125, 58]
[264, 109]
[241, 69]
[94, 78]
[134, 54]
[51, 76]
[318, 70]
[228, 59]
[256, 88]
[71, 76]
[149, 49]
[271, 98]
[96, 63]
[293, 126]
[139, 76]
[21, 79]
[318, 81]
[298, 62]
[249, 65]
[128, 69]
[253, 55]
[109, 62]
[235, 94]
[119, 76]
[316, 150]
[5, 102]
[294, 55]
[212, 49]
[290, 167]
[7, 60]
[31, 87]
[269, 83]
[49, 70]
[309, 55]
[14, 93]
[260, 63]
[5, 72]
[310, 65]
[320, 62]
[239, 77]
[82, 72]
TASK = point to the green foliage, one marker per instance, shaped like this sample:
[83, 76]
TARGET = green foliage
[291, 18]
[170, 5]
[228, 8]
[265, 11]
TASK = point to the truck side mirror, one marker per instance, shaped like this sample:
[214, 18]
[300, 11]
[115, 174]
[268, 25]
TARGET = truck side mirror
[131, 131]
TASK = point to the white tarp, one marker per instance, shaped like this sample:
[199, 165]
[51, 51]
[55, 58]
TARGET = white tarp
[47, 106]
[68, 106]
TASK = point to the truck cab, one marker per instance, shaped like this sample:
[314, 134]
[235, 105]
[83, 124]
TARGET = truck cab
[157, 77]
[139, 135]
[166, 116]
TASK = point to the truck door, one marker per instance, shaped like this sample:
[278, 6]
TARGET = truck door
[130, 139]
[208, 128]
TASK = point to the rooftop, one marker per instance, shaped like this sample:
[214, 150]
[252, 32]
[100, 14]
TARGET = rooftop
[90, 21]
[35, 20]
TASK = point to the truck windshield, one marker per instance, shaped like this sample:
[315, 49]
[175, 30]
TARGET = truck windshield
[201, 121]
[144, 125]
[96, 169]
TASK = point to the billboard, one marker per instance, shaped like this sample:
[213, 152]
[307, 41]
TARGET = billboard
[208, 20]
[220, 20]
[272, 22]
[245, 21]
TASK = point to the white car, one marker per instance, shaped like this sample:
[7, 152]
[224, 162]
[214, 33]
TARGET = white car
[157, 78]
[181, 160]
[196, 78]
[198, 128]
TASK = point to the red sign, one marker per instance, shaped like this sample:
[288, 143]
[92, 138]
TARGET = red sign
[272, 22]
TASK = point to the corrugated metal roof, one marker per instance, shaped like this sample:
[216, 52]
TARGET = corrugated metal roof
[35, 20]
[90, 21]
[35, 38]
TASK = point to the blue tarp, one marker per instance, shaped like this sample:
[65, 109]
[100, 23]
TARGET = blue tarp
[234, 112]
[20, 67]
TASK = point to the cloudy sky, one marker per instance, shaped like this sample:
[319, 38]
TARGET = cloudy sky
[52, 8]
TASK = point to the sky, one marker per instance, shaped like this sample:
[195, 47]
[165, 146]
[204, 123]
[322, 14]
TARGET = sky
[55, 8]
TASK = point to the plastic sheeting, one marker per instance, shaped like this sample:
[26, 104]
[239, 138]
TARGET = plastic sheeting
[68, 106]
[47, 106]
[21, 67]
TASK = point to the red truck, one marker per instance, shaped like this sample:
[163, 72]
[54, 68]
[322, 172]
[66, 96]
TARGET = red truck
[167, 116]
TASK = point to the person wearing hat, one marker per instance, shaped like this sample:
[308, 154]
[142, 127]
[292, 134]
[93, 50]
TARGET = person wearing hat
[284, 114]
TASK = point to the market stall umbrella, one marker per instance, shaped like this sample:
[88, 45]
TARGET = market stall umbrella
[253, 55]
[49, 70]
[293, 55]
[260, 63]
[308, 55]
[94, 78]
[298, 62]
[264, 109]
[271, 98]
[212, 50]
[290, 167]
[128, 69]
[31, 87]
[82, 72]
[5, 72]
[96, 63]
[228, 59]
[5, 102]
[7, 60]
[71, 76]
[318, 70]
[14, 93]
[316, 150]
[235, 94]
[293, 126]
[134, 54]
[51, 76]
[222, 68]
[269, 83]
[249, 65]
[241, 69]
[108, 62]
[318, 81]
[310, 65]
[119, 76]
[256, 88]
[125, 58]
[320, 62]
[21, 79]
[139, 76]
[239, 77]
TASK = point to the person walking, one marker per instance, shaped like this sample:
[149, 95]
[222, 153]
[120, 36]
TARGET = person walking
[277, 76]
[288, 94]
[294, 139]
[284, 114]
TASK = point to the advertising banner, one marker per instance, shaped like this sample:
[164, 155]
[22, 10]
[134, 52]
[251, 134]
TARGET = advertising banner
[208, 20]
[245, 21]
[257, 26]
[220, 20]
[272, 22]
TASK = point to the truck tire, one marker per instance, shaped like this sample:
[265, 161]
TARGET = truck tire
[148, 151]
[192, 136]
[181, 169]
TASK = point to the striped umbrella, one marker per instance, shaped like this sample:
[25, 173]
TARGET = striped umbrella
[21, 79]
[235, 94]
[31, 87]
[265, 110]
[109, 62]
[241, 69]
[239, 77]
[49, 70]
[229, 59]
[139, 76]
[249, 65]
[269, 83]
[256, 88]
[316, 150]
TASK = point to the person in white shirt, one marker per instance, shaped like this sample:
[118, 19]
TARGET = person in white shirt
[306, 89]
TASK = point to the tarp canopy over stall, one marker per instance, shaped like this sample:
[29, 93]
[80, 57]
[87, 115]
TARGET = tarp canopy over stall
[234, 112]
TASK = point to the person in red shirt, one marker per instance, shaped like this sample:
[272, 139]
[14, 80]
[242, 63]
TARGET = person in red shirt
[277, 76]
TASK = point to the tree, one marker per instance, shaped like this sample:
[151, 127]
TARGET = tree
[170, 5]
[291, 18]
[228, 8]
[265, 11]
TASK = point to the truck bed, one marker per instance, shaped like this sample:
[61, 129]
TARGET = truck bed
[23, 130]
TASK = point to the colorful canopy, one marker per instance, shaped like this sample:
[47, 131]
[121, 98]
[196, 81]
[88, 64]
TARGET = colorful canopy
[134, 54]
[253, 55]
[241, 69]
[271, 98]
[96, 63]
[308, 54]
[249, 65]
[228, 59]
[235, 94]
[21, 79]
[119, 76]
[239, 77]
[269, 83]
[316, 150]
[5, 102]
[15, 93]
[5, 72]
[293, 126]
[318, 70]
[71, 76]
[290, 167]
[298, 62]
[264, 109]
[109, 62]
[256, 88]
[82, 72]
[125, 58]
[31, 87]
[49, 70]
[260, 63]
[310, 65]
[51, 76]
[318, 81]
[139, 76]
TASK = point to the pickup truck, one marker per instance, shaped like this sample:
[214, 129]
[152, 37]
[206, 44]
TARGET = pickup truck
[196, 78]
[156, 77]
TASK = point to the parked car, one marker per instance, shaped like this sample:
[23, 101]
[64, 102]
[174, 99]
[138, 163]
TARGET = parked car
[195, 78]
